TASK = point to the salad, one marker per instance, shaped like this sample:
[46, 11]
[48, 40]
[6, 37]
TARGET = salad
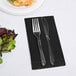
[7, 41]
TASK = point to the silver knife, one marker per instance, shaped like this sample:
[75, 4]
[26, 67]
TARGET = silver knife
[46, 31]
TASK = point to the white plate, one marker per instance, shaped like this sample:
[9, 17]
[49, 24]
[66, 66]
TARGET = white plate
[5, 6]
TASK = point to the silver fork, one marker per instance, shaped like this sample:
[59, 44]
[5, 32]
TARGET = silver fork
[37, 33]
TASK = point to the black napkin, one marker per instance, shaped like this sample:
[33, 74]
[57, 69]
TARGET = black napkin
[54, 42]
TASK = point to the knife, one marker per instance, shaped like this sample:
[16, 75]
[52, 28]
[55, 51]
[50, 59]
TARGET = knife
[46, 31]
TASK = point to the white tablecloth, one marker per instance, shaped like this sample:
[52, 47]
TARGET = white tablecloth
[17, 63]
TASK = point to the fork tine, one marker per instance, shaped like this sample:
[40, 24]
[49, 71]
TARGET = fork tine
[35, 25]
[38, 25]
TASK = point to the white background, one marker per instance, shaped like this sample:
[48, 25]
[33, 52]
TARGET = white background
[17, 63]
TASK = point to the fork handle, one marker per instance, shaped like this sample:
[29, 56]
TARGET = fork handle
[43, 61]
[51, 56]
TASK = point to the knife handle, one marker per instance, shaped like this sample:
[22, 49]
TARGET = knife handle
[50, 51]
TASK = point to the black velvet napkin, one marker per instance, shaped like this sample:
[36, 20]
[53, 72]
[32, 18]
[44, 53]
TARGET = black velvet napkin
[54, 43]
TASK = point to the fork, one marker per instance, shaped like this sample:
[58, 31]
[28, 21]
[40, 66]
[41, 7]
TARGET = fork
[37, 33]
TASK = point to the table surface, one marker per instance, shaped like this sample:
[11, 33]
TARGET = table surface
[17, 63]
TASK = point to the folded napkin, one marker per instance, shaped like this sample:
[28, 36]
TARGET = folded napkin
[54, 43]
